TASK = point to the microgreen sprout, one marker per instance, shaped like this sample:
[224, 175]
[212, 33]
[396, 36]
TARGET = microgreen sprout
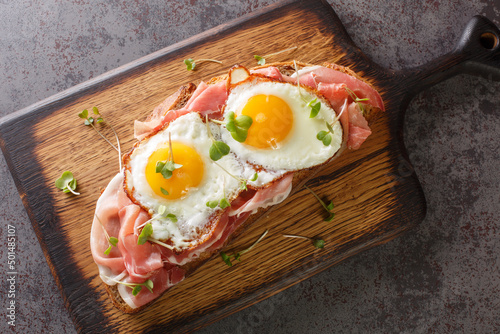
[357, 99]
[67, 183]
[89, 120]
[237, 256]
[191, 63]
[261, 60]
[243, 182]
[112, 241]
[237, 126]
[136, 287]
[328, 207]
[218, 148]
[167, 167]
[146, 232]
[315, 107]
[317, 242]
[223, 203]
[325, 136]
[147, 227]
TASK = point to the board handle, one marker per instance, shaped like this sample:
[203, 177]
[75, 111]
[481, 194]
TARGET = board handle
[477, 53]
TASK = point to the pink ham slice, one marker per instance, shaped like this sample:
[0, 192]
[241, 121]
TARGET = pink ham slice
[209, 100]
[358, 127]
[362, 90]
[270, 72]
[263, 196]
[206, 99]
[162, 279]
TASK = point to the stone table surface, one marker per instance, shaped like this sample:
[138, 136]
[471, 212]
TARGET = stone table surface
[441, 277]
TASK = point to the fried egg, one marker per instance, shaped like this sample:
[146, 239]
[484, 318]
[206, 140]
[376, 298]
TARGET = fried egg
[282, 135]
[186, 193]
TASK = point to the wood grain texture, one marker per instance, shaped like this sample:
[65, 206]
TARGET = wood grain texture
[375, 191]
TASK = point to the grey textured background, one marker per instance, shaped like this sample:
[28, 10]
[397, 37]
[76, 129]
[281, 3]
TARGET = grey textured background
[441, 277]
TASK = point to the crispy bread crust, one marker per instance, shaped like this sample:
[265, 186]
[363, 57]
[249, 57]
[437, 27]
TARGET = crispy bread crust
[177, 101]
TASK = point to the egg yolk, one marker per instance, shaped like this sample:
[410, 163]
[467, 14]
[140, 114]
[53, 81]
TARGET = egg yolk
[272, 121]
[183, 178]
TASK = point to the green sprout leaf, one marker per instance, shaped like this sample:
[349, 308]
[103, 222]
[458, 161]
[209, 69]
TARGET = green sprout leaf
[67, 183]
[172, 217]
[162, 210]
[226, 259]
[315, 107]
[328, 207]
[238, 126]
[146, 232]
[327, 140]
[136, 287]
[212, 204]
[164, 192]
[260, 60]
[84, 114]
[113, 241]
[329, 127]
[108, 250]
[89, 121]
[136, 290]
[191, 63]
[254, 177]
[218, 150]
[325, 136]
[321, 135]
[317, 242]
[237, 256]
[224, 203]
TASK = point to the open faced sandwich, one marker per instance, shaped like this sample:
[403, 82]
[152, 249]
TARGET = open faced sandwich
[213, 158]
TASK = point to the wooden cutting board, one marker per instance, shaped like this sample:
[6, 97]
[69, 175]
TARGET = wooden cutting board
[376, 193]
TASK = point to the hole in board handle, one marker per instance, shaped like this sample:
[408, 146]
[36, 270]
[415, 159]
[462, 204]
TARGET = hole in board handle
[488, 40]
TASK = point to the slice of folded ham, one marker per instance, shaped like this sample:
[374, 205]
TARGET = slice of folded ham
[206, 99]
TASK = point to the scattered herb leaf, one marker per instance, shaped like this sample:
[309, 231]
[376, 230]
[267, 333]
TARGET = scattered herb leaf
[262, 60]
[357, 99]
[224, 203]
[90, 121]
[236, 256]
[218, 150]
[163, 191]
[136, 287]
[67, 183]
[328, 207]
[167, 167]
[238, 126]
[317, 242]
[212, 204]
[226, 259]
[191, 63]
[172, 217]
[315, 107]
[146, 232]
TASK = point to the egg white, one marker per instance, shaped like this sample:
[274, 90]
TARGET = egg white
[300, 149]
[191, 210]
